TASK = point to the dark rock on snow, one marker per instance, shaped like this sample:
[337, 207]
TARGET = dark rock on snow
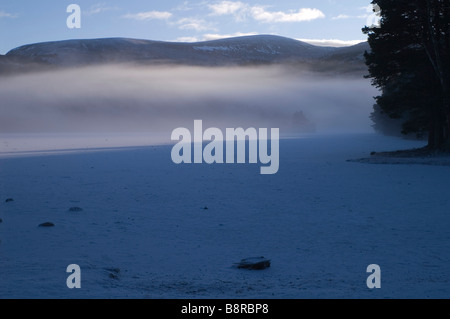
[113, 273]
[113, 276]
[113, 270]
[254, 263]
[47, 224]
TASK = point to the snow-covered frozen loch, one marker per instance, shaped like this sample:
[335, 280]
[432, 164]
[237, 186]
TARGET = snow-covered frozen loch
[144, 232]
[140, 226]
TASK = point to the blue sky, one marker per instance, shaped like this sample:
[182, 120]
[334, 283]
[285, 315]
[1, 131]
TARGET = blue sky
[24, 22]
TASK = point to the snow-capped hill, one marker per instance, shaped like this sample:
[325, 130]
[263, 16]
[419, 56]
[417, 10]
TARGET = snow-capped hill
[74, 52]
[354, 52]
[259, 49]
[275, 46]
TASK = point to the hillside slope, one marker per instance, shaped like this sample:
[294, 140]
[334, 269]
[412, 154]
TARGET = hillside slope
[248, 50]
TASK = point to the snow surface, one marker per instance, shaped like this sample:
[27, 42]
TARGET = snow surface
[211, 48]
[321, 220]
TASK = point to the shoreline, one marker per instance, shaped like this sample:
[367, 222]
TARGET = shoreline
[25, 144]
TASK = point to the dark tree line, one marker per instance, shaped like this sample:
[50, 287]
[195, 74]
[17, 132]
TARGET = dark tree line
[410, 63]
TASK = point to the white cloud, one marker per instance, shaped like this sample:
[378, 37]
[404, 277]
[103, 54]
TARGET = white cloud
[341, 17]
[344, 16]
[242, 10]
[369, 9]
[194, 24]
[185, 6]
[4, 14]
[331, 42]
[305, 14]
[237, 9]
[149, 15]
[227, 7]
[99, 8]
[186, 39]
[209, 37]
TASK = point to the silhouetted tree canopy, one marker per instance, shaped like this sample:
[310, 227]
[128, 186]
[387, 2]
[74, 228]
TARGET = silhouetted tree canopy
[409, 62]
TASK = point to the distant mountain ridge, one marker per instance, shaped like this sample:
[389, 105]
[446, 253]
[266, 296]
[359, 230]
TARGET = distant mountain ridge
[247, 50]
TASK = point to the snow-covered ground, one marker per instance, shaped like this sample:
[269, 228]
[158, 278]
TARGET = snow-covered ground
[144, 232]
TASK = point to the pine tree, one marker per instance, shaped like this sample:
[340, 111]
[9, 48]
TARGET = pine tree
[410, 63]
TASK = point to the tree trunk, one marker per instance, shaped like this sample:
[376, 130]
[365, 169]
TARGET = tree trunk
[446, 138]
[438, 137]
[440, 131]
[431, 135]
